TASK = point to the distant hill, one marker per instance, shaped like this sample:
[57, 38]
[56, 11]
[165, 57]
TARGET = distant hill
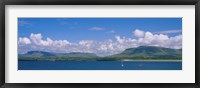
[42, 54]
[37, 54]
[151, 52]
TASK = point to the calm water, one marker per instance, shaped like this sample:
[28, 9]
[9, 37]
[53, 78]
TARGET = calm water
[97, 65]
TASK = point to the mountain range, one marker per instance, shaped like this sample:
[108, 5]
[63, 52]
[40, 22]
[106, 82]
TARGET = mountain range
[42, 54]
[141, 52]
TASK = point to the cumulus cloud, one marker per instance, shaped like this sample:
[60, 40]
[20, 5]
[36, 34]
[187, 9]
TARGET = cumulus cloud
[101, 48]
[138, 33]
[24, 40]
[37, 40]
[162, 40]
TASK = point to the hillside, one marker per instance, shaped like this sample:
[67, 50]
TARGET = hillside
[149, 52]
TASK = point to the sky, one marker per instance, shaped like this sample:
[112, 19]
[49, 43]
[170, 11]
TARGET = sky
[102, 36]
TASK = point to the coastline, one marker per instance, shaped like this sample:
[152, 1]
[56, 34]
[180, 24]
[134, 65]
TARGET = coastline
[116, 60]
[153, 60]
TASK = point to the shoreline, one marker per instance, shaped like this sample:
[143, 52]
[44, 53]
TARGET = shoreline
[118, 60]
[154, 60]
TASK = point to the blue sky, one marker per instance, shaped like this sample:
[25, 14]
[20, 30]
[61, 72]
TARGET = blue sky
[76, 29]
[103, 36]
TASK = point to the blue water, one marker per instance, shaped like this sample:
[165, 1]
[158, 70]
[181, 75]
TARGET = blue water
[98, 65]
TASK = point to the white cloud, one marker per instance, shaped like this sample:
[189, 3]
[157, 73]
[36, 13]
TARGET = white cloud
[24, 40]
[37, 40]
[96, 28]
[119, 39]
[176, 42]
[60, 43]
[138, 33]
[101, 48]
[161, 40]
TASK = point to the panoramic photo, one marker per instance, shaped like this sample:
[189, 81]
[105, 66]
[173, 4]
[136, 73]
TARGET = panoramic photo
[99, 43]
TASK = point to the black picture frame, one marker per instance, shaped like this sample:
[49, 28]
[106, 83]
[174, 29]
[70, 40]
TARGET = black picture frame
[98, 2]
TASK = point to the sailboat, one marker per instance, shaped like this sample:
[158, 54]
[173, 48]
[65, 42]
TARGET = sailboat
[122, 64]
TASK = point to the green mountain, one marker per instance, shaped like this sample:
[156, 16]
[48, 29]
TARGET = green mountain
[149, 52]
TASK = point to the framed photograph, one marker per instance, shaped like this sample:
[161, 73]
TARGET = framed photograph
[87, 43]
